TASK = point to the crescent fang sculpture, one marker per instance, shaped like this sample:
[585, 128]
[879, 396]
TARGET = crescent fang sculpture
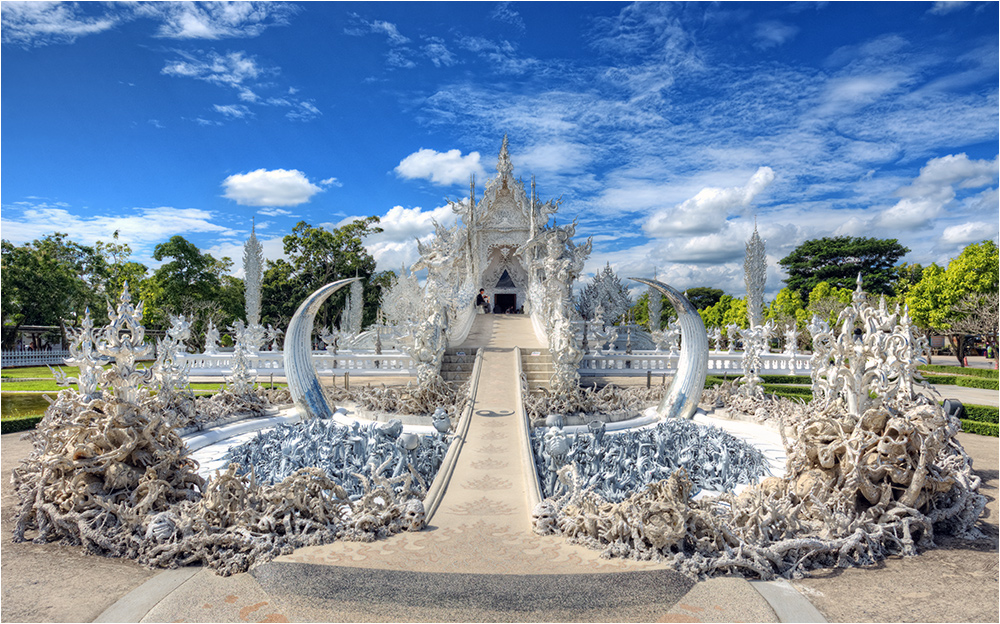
[303, 382]
[681, 400]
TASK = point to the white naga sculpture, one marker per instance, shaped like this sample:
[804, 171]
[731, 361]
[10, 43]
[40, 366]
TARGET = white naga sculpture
[211, 339]
[82, 354]
[170, 374]
[253, 263]
[791, 346]
[273, 337]
[241, 380]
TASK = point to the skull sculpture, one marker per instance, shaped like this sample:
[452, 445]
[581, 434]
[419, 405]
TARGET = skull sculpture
[414, 517]
[162, 526]
[543, 518]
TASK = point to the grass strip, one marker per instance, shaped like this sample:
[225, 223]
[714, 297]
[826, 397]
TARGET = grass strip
[959, 370]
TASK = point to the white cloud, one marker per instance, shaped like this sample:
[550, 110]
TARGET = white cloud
[396, 245]
[503, 12]
[362, 27]
[968, 233]
[232, 69]
[274, 212]
[215, 20]
[941, 8]
[935, 189]
[438, 53]
[773, 33]
[279, 187]
[709, 209]
[142, 228]
[331, 182]
[444, 168]
[236, 111]
[42, 23]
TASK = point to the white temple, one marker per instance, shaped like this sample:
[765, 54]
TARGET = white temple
[494, 246]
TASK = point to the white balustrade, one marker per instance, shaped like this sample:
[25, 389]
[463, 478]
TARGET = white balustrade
[617, 363]
[33, 358]
[368, 363]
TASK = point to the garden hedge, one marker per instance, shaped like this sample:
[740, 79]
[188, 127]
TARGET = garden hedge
[982, 413]
[981, 428]
[13, 425]
[976, 382]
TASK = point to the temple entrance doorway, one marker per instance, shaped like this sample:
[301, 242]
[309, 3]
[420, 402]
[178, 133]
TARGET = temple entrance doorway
[505, 302]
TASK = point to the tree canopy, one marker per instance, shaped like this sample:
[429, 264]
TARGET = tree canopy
[838, 260]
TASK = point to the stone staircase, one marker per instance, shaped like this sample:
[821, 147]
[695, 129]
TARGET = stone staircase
[537, 368]
[456, 366]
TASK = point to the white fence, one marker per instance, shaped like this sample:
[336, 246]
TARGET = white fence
[368, 363]
[33, 358]
[719, 363]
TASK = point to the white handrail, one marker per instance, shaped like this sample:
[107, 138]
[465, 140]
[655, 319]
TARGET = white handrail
[719, 362]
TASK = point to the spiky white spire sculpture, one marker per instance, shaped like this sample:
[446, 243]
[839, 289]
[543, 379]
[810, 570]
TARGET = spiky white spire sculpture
[253, 262]
[755, 275]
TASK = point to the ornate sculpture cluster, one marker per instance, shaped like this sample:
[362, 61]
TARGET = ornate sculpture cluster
[108, 471]
[873, 470]
[615, 465]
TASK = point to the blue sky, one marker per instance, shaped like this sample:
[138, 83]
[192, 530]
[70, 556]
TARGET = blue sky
[666, 128]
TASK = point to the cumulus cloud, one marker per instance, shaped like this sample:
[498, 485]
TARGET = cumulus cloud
[396, 245]
[966, 233]
[279, 187]
[438, 53]
[236, 111]
[443, 168]
[362, 27]
[935, 188]
[706, 211]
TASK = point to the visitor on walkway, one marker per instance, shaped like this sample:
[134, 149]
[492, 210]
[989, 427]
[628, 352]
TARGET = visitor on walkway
[483, 301]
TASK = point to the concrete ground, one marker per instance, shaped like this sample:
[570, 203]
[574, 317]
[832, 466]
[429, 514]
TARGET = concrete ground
[478, 561]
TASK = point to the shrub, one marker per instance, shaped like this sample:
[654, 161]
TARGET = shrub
[981, 428]
[982, 413]
[13, 425]
[976, 382]
[786, 379]
[959, 370]
[942, 380]
[787, 389]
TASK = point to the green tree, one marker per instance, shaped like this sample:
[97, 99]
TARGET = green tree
[787, 308]
[943, 298]
[317, 257]
[826, 301]
[49, 281]
[702, 297]
[189, 283]
[838, 261]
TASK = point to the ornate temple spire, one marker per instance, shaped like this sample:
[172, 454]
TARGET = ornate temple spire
[754, 274]
[504, 165]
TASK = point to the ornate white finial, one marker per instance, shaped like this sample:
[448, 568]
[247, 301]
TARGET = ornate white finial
[253, 269]
[504, 165]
